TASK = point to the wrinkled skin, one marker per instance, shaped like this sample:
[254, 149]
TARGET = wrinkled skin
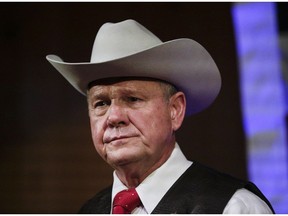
[133, 126]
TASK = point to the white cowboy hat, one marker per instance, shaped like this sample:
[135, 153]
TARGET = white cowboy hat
[128, 49]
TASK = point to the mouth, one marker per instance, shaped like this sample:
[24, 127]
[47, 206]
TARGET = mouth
[115, 140]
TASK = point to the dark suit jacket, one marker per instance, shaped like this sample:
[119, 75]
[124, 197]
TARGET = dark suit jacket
[198, 190]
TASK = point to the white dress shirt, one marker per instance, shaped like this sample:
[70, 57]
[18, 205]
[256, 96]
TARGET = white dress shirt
[160, 181]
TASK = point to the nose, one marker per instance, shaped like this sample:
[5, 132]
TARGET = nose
[117, 116]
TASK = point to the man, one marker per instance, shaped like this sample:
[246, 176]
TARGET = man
[139, 90]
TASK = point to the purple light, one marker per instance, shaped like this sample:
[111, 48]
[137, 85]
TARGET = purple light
[263, 100]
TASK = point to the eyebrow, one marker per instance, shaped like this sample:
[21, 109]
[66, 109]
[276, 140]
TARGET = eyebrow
[101, 94]
[96, 94]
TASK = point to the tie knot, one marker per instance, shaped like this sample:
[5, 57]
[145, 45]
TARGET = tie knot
[126, 201]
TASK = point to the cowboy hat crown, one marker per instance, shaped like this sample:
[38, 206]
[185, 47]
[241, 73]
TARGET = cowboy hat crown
[115, 41]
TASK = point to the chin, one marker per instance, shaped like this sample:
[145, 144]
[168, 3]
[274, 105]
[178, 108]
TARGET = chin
[117, 159]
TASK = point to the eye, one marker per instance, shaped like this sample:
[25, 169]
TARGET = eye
[100, 104]
[133, 99]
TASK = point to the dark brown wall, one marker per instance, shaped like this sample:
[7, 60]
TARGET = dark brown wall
[48, 162]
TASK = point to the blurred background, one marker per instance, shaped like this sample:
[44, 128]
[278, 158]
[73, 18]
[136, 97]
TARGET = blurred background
[47, 159]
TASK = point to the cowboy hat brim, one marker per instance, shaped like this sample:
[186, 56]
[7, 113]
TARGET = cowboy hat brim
[182, 62]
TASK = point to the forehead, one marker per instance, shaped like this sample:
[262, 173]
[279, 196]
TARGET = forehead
[124, 85]
[114, 80]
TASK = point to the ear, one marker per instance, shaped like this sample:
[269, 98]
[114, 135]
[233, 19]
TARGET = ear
[177, 109]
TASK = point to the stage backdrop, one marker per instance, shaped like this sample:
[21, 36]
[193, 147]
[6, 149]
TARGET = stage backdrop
[48, 162]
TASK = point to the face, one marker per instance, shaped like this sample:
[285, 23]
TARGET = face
[132, 122]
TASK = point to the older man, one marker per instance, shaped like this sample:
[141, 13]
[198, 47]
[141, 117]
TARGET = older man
[139, 90]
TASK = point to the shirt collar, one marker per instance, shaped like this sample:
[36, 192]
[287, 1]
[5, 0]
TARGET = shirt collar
[171, 170]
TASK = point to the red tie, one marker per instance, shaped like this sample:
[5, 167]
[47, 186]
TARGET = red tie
[125, 201]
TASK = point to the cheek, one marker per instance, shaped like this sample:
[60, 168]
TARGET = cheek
[160, 117]
[154, 124]
[97, 133]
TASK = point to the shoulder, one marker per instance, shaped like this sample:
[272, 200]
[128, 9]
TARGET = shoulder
[246, 202]
[100, 203]
[200, 190]
[214, 178]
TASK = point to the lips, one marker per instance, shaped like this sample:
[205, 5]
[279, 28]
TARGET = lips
[118, 133]
[109, 139]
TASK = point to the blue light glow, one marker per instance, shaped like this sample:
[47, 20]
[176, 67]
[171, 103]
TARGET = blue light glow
[263, 99]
